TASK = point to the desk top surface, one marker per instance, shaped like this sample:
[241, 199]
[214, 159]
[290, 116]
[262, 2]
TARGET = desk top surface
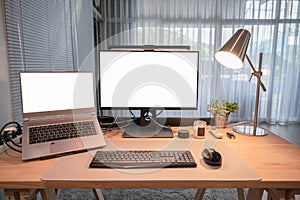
[75, 168]
[273, 159]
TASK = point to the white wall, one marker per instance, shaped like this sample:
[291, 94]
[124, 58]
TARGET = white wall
[5, 96]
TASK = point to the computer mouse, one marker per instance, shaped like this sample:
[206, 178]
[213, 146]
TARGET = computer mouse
[212, 157]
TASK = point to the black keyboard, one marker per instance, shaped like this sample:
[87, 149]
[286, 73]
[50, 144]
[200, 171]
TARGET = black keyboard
[40, 134]
[142, 159]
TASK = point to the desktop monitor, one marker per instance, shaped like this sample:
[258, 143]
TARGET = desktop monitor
[148, 81]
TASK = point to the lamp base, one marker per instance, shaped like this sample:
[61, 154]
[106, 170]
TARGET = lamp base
[249, 130]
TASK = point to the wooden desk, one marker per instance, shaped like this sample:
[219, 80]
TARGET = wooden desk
[274, 159]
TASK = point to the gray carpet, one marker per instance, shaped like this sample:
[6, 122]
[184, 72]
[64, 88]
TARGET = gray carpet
[149, 194]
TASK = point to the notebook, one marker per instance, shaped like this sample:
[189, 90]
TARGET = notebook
[64, 101]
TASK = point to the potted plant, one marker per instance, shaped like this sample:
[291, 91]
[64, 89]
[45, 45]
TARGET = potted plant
[221, 110]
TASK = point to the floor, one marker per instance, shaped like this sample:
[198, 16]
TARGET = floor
[289, 132]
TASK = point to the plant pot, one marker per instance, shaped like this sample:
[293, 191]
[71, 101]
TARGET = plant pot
[221, 121]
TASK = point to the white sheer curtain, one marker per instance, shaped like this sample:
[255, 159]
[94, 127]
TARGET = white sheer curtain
[205, 25]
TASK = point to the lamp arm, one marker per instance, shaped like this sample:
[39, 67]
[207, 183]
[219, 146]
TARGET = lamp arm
[258, 73]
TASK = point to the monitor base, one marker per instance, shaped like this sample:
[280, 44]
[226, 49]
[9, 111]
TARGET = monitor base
[145, 132]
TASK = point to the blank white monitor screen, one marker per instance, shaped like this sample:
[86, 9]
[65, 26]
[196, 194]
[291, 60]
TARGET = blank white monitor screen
[156, 79]
[56, 91]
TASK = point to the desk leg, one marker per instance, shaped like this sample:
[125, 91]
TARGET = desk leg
[290, 194]
[200, 193]
[255, 193]
[240, 192]
[98, 194]
[16, 194]
[30, 194]
[282, 194]
[48, 194]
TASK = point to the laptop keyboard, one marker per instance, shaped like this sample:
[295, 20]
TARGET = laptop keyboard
[142, 159]
[40, 134]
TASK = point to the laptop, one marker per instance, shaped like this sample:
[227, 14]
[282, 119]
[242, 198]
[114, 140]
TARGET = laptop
[59, 115]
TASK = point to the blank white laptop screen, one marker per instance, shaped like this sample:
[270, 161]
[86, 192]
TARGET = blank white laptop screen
[56, 91]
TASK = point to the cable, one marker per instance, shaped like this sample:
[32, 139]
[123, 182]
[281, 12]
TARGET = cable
[134, 117]
[125, 121]
[158, 124]
[109, 124]
[17, 150]
[16, 144]
[8, 133]
[115, 130]
[159, 113]
[111, 132]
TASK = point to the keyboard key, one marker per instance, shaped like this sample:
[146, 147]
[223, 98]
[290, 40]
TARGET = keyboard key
[53, 132]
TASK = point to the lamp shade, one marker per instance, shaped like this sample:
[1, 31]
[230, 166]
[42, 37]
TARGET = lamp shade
[233, 53]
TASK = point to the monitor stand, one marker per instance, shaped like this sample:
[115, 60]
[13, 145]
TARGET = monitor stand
[145, 127]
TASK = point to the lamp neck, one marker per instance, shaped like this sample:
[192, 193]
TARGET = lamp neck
[258, 74]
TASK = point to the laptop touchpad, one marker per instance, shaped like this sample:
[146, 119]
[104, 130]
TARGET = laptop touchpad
[65, 146]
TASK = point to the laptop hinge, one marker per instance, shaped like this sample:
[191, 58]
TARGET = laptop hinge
[56, 116]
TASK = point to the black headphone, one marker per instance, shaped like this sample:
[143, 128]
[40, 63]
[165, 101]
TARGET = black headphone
[15, 131]
[8, 132]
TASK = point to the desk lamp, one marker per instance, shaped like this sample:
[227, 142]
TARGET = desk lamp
[232, 55]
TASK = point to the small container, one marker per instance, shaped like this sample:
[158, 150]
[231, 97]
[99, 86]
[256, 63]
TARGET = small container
[182, 133]
[199, 129]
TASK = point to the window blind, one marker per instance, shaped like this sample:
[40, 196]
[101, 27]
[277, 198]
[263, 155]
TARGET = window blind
[41, 36]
